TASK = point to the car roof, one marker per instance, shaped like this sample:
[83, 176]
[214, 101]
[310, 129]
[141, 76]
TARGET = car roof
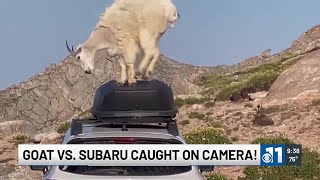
[133, 130]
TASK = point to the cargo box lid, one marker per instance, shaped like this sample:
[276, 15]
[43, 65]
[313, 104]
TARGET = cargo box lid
[146, 99]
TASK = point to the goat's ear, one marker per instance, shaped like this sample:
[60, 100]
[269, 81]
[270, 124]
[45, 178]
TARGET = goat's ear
[79, 48]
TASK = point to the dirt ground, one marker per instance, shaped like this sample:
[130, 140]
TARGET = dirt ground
[300, 125]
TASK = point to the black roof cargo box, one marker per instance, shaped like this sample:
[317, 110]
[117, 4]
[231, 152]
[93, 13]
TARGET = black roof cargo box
[147, 99]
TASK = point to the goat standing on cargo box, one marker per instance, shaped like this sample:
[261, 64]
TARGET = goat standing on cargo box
[124, 28]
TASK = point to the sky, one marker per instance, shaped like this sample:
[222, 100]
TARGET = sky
[210, 32]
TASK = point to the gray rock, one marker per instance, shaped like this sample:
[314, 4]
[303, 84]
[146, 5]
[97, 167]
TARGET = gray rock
[11, 128]
[236, 97]
[263, 120]
[6, 169]
[258, 95]
[300, 83]
[265, 53]
[197, 106]
[307, 42]
[19, 174]
[246, 91]
[47, 137]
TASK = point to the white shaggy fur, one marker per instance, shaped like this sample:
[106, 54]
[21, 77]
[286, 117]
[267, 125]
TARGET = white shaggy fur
[125, 28]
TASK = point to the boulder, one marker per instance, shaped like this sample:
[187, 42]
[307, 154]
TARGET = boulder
[45, 138]
[265, 53]
[11, 128]
[246, 91]
[183, 97]
[263, 120]
[258, 95]
[197, 106]
[236, 97]
[299, 84]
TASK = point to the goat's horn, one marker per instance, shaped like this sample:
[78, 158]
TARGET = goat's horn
[70, 51]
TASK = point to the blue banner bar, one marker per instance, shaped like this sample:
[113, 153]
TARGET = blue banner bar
[280, 154]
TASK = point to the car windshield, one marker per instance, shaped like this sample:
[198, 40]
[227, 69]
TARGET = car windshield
[125, 170]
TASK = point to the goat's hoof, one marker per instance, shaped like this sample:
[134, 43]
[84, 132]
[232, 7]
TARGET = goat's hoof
[120, 83]
[141, 71]
[147, 75]
[133, 82]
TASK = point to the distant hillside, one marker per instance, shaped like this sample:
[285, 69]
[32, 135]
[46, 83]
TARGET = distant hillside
[63, 89]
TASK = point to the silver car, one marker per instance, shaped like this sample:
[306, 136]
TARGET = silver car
[93, 132]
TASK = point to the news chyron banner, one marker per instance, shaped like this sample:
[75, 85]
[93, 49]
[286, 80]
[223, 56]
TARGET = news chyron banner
[159, 155]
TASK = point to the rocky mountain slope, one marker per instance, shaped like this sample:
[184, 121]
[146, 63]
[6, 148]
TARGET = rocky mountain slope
[62, 90]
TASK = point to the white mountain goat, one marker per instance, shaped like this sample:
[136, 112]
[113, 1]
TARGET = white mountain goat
[125, 28]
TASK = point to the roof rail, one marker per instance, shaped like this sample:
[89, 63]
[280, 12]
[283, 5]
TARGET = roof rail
[77, 124]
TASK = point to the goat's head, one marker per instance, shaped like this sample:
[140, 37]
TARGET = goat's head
[100, 38]
[174, 17]
[84, 55]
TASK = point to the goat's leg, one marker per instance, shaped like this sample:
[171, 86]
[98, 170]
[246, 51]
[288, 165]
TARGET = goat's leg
[123, 74]
[131, 75]
[130, 51]
[156, 55]
[149, 44]
[144, 64]
[144, 43]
